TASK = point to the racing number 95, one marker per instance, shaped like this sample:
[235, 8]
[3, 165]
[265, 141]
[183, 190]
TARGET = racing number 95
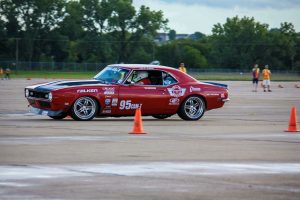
[127, 105]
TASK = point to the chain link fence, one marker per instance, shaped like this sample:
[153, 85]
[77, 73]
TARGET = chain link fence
[206, 73]
[52, 66]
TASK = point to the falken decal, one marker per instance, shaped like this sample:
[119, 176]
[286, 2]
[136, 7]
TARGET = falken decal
[87, 90]
[176, 91]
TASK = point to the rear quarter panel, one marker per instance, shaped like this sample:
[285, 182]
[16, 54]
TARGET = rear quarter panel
[212, 94]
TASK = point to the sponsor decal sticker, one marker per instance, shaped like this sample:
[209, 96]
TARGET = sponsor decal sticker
[174, 101]
[106, 111]
[107, 101]
[128, 105]
[115, 69]
[114, 102]
[211, 94]
[150, 88]
[87, 90]
[192, 89]
[176, 91]
[108, 90]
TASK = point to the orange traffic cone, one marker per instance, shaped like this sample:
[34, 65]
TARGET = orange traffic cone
[293, 127]
[28, 78]
[138, 124]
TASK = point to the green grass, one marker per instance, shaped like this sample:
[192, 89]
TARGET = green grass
[56, 75]
[200, 76]
[243, 77]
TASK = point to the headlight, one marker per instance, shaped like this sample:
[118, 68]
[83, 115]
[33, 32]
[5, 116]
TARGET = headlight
[50, 96]
[26, 92]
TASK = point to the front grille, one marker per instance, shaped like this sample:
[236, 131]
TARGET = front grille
[44, 104]
[38, 94]
[39, 104]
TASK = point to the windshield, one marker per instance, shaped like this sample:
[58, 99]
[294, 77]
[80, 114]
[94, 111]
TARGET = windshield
[112, 75]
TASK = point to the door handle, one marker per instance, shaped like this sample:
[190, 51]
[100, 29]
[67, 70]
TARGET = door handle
[162, 90]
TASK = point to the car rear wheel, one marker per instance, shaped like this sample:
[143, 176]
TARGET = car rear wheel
[161, 116]
[84, 109]
[192, 108]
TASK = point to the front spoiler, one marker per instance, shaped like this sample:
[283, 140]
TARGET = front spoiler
[226, 100]
[45, 112]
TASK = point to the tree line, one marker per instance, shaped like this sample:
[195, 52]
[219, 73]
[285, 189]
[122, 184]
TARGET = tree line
[114, 31]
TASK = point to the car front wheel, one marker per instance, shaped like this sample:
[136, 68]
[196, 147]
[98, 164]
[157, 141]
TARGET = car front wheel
[192, 108]
[84, 109]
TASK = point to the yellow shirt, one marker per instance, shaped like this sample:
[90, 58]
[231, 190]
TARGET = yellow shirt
[266, 74]
[183, 69]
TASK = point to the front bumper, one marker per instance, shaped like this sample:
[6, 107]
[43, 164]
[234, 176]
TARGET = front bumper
[226, 100]
[50, 113]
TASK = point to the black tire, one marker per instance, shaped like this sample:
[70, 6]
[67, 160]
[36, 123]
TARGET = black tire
[84, 109]
[59, 117]
[192, 108]
[163, 116]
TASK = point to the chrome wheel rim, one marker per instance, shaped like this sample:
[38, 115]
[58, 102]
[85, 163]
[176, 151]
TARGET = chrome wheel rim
[84, 107]
[194, 107]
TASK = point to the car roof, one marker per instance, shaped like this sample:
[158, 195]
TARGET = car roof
[142, 66]
[181, 77]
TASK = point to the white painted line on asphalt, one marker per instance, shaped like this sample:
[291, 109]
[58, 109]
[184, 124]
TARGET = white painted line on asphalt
[46, 139]
[13, 184]
[17, 114]
[8, 173]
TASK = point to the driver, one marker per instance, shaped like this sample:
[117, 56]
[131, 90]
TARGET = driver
[142, 78]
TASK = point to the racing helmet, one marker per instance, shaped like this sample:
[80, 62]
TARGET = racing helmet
[141, 75]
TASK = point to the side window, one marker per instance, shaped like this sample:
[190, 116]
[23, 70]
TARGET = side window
[155, 77]
[168, 79]
[139, 77]
[146, 77]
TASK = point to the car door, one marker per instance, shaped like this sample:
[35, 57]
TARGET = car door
[152, 98]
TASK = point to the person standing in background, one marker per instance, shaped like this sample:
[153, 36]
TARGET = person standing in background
[182, 67]
[266, 78]
[1, 73]
[7, 74]
[255, 77]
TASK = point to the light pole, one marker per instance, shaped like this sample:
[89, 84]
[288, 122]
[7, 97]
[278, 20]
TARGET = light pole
[17, 53]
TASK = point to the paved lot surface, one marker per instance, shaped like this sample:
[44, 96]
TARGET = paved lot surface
[238, 152]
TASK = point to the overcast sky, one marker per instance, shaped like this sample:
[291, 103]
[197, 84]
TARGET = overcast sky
[189, 16]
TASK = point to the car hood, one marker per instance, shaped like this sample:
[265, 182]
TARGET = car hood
[63, 84]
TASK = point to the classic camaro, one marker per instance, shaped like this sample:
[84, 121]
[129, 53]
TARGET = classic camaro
[119, 89]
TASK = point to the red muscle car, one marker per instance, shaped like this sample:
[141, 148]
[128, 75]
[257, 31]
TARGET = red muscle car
[119, 89]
